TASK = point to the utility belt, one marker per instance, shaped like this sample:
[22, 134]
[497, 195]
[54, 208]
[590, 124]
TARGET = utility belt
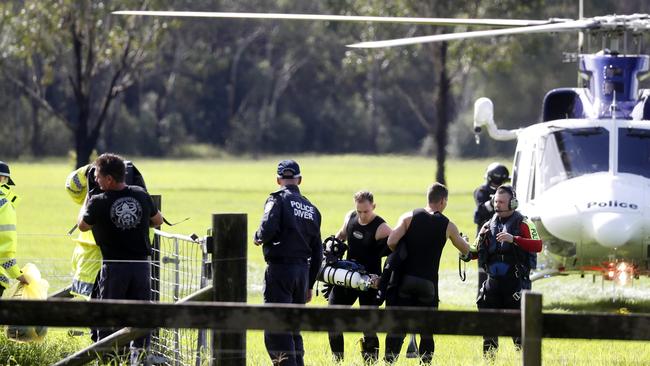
[498, 270]
[286, 260]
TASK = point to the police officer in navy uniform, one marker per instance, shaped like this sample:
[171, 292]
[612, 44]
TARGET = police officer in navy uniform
[290, 237]
[504, 247]
[423, 232]
[366, 234]
[496, 174]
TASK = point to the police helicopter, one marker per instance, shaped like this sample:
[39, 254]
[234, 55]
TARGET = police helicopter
[583, 173]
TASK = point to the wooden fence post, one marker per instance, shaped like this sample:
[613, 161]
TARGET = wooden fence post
[531, 328]
[229, 273]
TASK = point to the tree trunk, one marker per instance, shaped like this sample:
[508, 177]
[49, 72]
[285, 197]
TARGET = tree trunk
[83, 145]
[36, 143]
[443, 115]
[371, 100]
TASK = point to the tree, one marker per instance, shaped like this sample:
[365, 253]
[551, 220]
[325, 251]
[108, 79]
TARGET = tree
[90, 56]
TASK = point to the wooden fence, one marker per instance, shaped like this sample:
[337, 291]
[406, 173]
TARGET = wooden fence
[531, 323]
[230, 320]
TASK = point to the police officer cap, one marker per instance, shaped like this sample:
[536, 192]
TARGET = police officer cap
[4, 171]
[497, 173]
[288, 169]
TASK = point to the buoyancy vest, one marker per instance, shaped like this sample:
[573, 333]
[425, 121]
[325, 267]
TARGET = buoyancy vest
[498, 258]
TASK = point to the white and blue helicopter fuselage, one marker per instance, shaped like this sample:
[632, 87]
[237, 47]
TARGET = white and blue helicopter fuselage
[586, 185]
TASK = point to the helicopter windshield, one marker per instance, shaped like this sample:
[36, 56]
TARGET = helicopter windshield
[570, 153]
[634, 151]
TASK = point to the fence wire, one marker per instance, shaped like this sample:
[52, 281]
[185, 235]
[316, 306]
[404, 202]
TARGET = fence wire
[180, 267]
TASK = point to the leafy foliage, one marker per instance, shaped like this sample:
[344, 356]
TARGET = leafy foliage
[139, 85]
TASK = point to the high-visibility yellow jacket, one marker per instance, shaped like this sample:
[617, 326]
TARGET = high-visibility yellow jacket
[8, 236]
[77, 184]
[86, 258]
[77, 187]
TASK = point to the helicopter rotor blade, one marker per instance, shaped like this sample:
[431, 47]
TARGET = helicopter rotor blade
[341, 18]
[560, 26]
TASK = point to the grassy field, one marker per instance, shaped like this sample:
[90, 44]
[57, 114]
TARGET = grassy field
[197, 189]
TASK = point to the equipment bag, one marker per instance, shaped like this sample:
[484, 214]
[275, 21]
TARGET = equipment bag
[36, 290]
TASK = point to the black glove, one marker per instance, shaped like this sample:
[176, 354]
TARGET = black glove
[327, 290]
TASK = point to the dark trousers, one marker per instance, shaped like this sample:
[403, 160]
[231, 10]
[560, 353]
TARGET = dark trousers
[347, 296]
[285, 284]
[94, 294]
[500, 293]
[412, 291]
[125, 281]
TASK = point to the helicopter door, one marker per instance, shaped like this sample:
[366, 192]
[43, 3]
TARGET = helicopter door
[523, 171]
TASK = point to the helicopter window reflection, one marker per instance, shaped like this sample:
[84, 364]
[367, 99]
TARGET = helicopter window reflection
[570, 153]
[612, 71]
[634, 151]
[610, 86]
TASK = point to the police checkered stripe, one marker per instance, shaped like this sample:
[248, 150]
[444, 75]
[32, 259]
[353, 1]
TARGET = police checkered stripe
[9, 227]
[77, 182]
[8, 264]
[81, 288]
[3, 201]
[78, 187]
[4, 279]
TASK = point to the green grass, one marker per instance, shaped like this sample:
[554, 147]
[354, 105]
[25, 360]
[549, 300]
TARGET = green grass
[199, 188]
[56, 345]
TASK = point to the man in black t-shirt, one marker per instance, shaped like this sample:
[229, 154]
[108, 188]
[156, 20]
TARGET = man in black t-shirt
[366, 234]
[120, 218]
[423, 233]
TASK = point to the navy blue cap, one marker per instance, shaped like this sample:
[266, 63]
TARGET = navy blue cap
[4, 171]
[288, 169]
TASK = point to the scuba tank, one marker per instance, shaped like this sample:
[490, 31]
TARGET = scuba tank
[348, 274]
[339, 272]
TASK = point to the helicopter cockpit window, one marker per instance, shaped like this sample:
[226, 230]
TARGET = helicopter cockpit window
[610, 72]
[634, 151]
[570, 153]
[611, 86]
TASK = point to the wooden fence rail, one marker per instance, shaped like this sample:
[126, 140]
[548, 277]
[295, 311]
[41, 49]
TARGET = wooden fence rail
[239, 317]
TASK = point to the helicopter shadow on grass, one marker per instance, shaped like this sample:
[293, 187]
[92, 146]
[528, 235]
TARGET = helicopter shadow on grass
[618, 305]
[575, 295]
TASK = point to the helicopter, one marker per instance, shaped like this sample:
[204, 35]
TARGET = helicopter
[582, 173]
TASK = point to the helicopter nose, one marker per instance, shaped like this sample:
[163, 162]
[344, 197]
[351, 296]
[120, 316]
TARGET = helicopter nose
[613, 230]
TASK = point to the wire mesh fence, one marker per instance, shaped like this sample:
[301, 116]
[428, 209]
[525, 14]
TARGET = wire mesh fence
[180, 267]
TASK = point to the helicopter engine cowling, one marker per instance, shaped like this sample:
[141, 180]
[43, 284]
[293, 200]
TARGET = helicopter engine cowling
[613, 230]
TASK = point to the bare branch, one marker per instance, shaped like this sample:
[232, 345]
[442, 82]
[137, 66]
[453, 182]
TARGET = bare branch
[113, 90]
[36, 97]
[418, 114]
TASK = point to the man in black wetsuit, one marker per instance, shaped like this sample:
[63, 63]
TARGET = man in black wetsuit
[423, 232]
[366, 234]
